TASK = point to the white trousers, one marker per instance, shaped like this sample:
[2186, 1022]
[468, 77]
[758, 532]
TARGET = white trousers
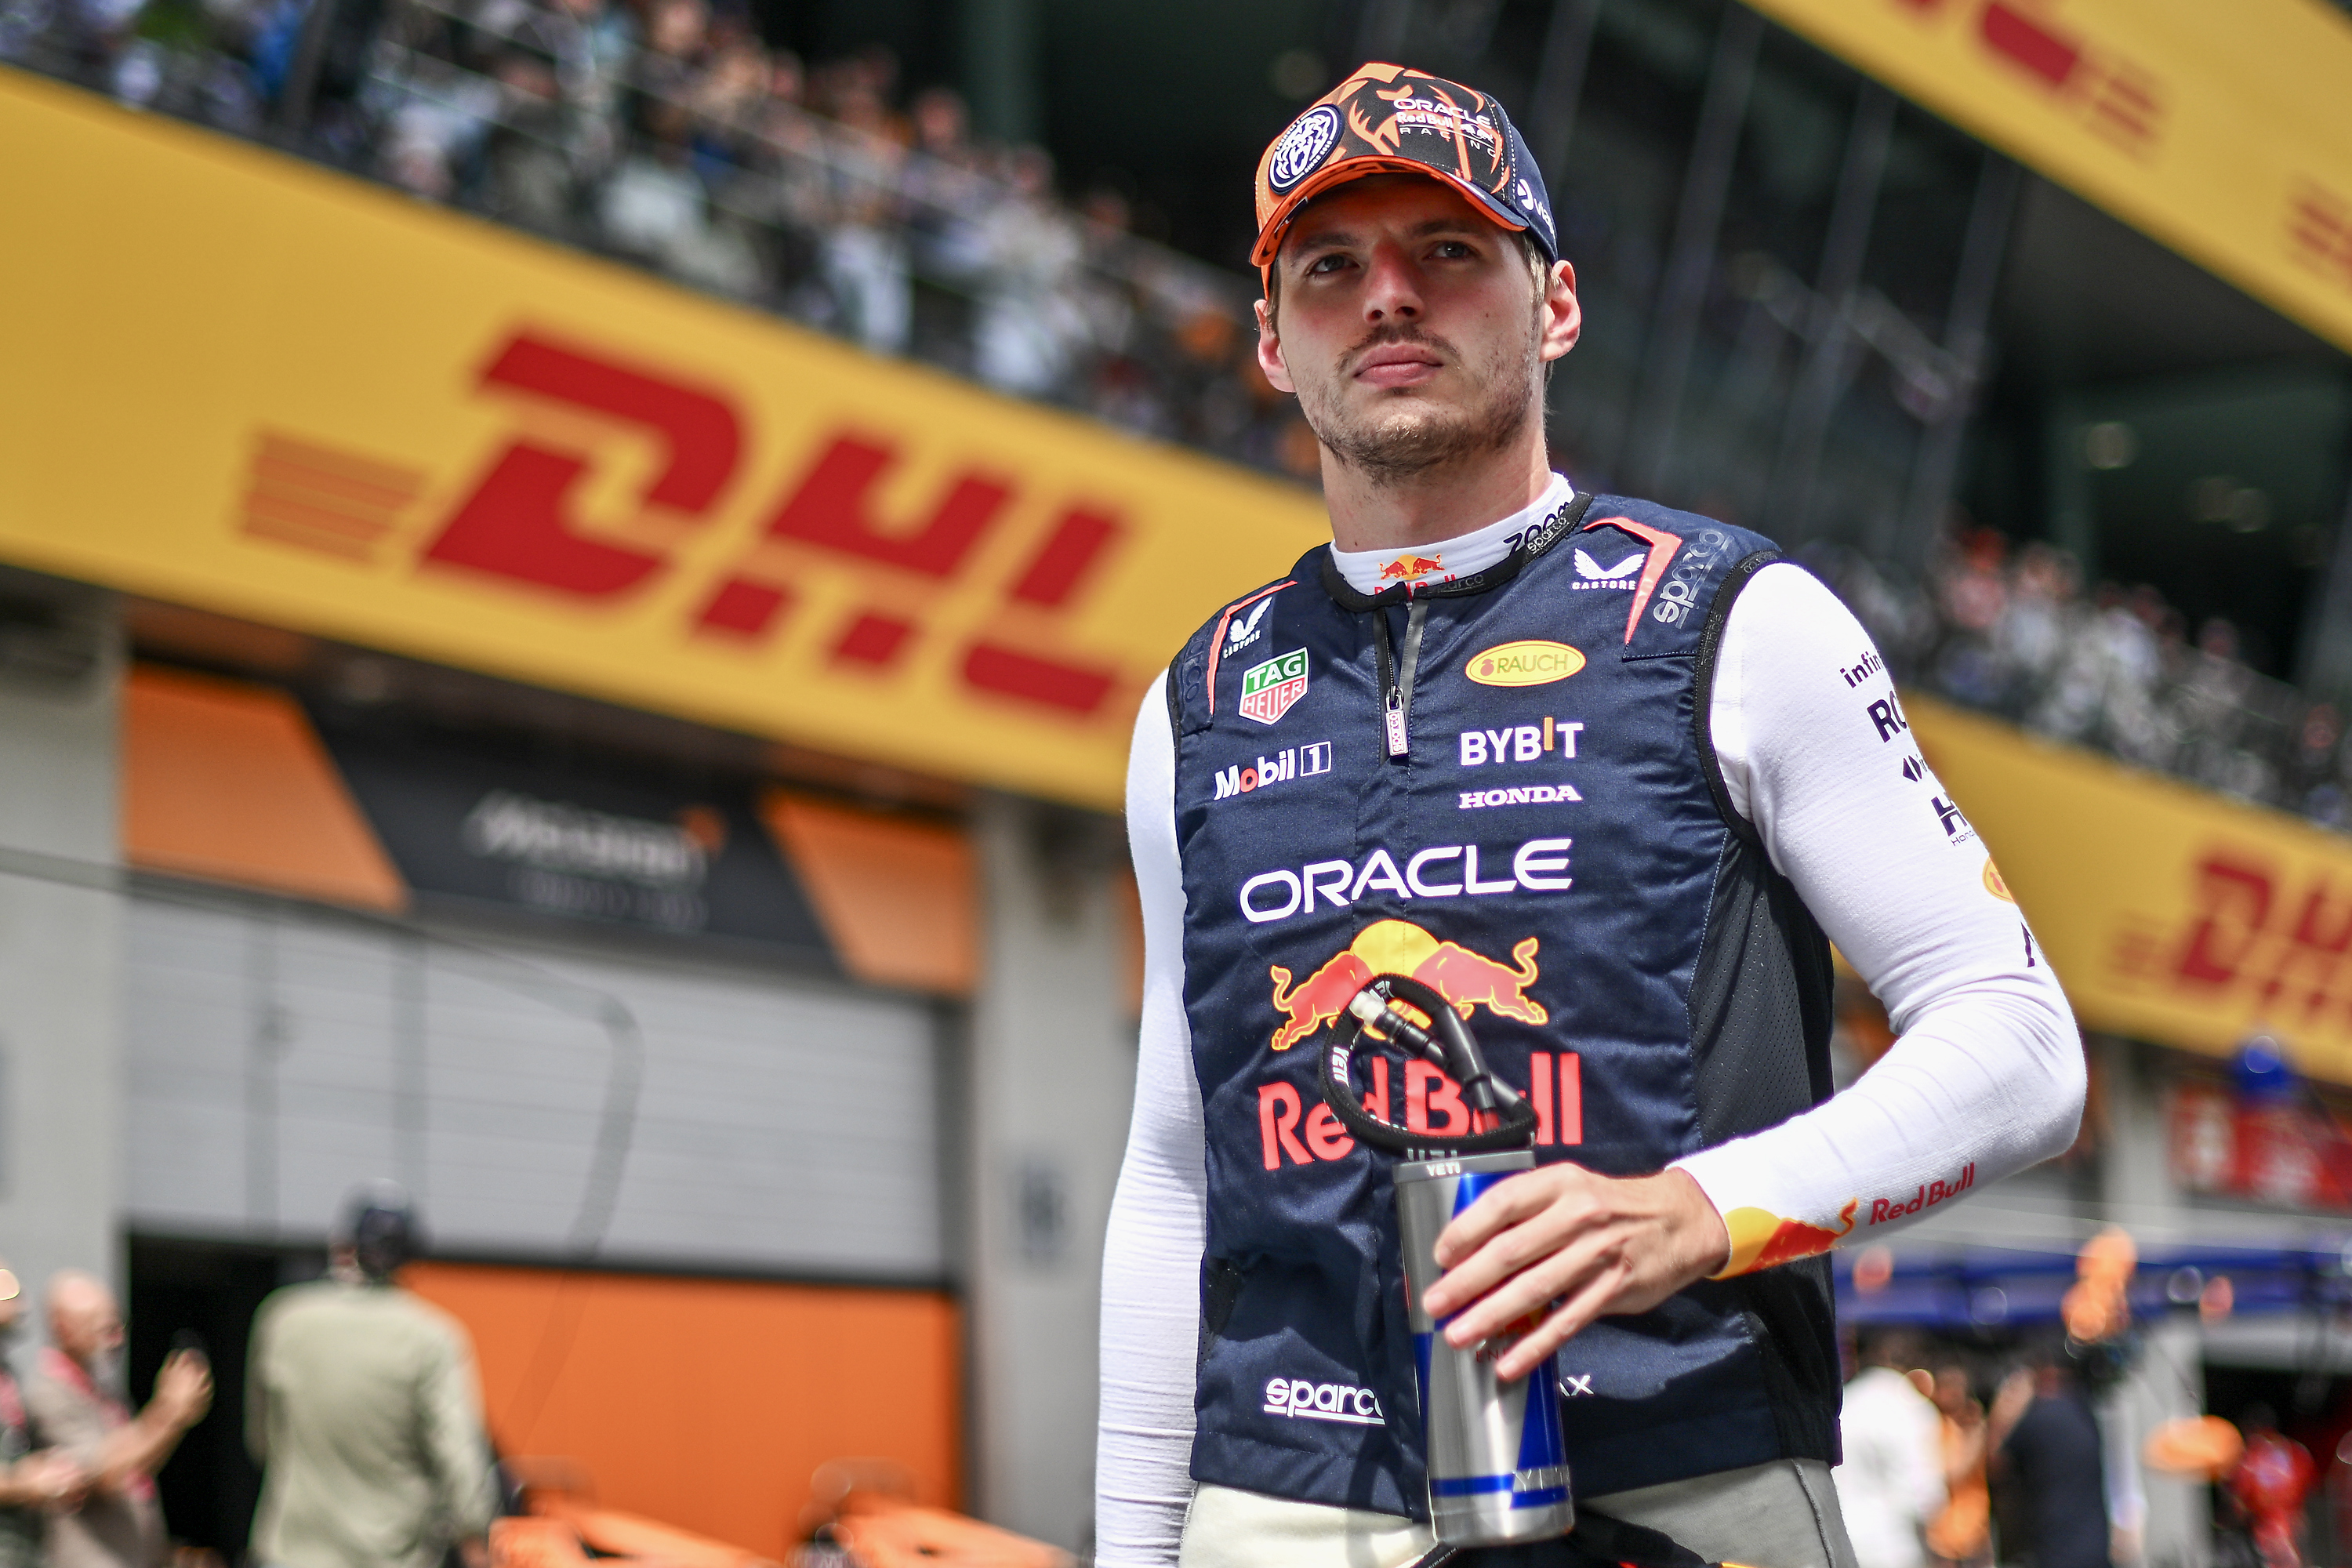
[1783, 1514]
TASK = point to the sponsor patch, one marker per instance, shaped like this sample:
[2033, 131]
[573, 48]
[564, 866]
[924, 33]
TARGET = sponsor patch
[1301, 150]
[1269, 689]
[1518, 794]
[1591, 573]
[1290, 762]
[1441, 871]
[1994, 885]
[1863, 668]
[1297, 1397]
[1520, 743]
[1244, 631]
[1531, 661]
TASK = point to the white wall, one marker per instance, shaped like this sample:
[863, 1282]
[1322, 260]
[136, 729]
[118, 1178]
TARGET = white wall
[1052, 1076]
[61, 944]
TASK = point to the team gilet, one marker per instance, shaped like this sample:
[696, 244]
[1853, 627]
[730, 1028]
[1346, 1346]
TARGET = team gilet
[1501, 786]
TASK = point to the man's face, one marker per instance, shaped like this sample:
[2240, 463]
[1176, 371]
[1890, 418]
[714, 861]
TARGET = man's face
[86, 1324]
[1412, 328]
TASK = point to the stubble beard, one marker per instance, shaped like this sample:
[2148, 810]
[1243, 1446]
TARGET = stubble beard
[1399, 439]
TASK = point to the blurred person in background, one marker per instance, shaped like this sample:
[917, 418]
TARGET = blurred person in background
[2269, 1484]
[362, 1406]
[1962, 1533]
[31, 1476]
[1891, 1485]
[73, 1401]
[2044, 1436]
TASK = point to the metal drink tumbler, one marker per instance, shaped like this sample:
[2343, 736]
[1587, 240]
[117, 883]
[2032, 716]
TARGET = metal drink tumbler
[1497, 1461]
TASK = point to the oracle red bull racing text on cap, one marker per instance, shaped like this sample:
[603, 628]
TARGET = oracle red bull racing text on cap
[1389, 120]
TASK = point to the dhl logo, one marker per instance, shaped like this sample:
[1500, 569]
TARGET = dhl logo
[524, 521]
[1466, 979]
[2113, 97]
[2267, 949]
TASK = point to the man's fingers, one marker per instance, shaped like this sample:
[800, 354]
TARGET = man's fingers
[1563, 1273]
[1571, 1319]
[1507, 1205]
[1522, 1244]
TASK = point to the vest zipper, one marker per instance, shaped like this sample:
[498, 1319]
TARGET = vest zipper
[1396, 676]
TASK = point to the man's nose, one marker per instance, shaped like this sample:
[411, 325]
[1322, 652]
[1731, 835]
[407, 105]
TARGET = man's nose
[1392, 286]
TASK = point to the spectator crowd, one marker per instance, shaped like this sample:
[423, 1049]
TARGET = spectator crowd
[2015, 632]
[668, 134]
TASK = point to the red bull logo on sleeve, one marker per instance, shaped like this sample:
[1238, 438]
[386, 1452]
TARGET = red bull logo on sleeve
[1468, 980]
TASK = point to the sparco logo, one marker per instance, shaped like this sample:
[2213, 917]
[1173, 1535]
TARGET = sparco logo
[1678, 595]
[1321, 1401]
[1302, 147]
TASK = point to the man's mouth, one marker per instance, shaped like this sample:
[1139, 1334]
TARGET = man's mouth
[1397, 365]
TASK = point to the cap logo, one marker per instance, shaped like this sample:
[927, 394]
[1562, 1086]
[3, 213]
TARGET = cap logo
[1302, 147]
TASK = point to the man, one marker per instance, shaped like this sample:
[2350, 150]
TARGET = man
[117, 1521]
[2046, 1440]
[1890, 1487]
[32, 1478]
[1595, 769]
[361, 1402]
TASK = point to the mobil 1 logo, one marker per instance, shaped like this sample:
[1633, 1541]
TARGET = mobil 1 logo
[1288, 764]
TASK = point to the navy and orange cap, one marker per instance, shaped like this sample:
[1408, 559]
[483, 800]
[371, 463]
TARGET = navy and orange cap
[1391, 119]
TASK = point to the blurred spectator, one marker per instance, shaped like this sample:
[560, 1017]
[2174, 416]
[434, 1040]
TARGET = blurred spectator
[2043, 1435]
[1962, 1533]
[665, 131]
[73, 1402]
[2269, 1484]
[362, 1405]
[1891, 1483]
[32, 1476]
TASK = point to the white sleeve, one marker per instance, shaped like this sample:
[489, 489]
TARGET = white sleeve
[1986, 1076]
[1152, 1258]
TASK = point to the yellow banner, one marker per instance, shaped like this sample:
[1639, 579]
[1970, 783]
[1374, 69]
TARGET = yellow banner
[235, 382]
[2170, 914]
[2221, 129]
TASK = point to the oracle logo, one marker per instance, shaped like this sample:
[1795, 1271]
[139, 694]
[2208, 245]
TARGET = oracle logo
[521, 522]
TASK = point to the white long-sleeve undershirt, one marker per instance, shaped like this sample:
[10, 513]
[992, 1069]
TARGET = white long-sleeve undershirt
[1986, 1077]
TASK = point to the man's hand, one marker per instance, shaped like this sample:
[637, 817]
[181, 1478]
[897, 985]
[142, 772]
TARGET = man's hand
[1594, 1244]
[183, 1390]
[49, 1476]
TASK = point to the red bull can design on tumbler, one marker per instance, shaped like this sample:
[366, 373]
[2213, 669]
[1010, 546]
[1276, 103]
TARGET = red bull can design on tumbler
[1498, 1458]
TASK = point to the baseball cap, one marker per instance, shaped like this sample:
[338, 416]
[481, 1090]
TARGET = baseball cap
[1393, 119]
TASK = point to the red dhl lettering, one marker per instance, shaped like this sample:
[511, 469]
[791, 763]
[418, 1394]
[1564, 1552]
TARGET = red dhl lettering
[1927, 1196]
[522, 521]
[2276, 950]
[1291, 1133]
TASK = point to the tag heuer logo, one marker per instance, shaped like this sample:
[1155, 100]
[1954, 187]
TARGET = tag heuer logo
[1268, 689]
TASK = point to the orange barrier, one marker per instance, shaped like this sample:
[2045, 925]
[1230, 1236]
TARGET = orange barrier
[709, 1402]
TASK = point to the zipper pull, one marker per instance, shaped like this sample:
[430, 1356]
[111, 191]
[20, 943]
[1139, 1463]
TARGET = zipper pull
[1398, 745]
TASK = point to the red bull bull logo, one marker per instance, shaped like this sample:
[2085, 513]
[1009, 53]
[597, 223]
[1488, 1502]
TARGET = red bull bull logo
[1468, 980]
[1405, 568]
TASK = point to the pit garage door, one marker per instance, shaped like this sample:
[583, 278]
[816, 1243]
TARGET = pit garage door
[539, 1097]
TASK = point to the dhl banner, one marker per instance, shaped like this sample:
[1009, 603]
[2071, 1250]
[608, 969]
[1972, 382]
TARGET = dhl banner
[2221, 130]
[2170, 914]
[239, 383]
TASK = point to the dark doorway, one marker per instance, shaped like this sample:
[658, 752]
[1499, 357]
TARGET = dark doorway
[211, 1290]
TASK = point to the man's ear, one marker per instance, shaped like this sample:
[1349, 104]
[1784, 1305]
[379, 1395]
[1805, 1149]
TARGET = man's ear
[1269, 350]
[1563, 317]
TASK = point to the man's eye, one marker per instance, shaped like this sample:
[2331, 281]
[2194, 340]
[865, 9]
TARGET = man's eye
[1455, 250]
[1332, 263]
